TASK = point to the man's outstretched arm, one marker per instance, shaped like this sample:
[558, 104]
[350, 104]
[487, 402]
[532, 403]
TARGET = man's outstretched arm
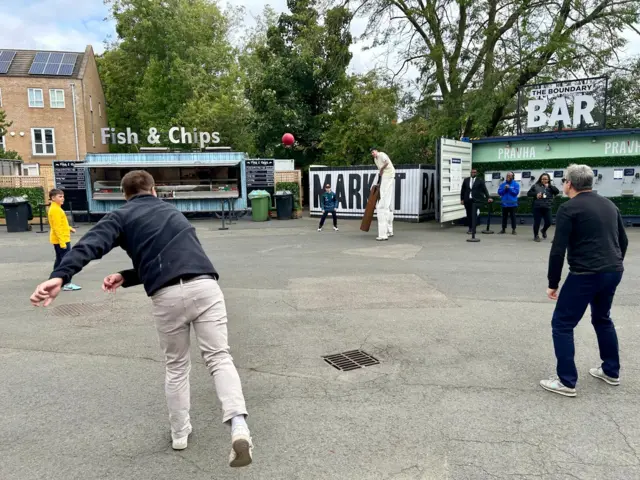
[99, 241]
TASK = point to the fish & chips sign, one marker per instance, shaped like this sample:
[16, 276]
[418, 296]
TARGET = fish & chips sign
[565, 105]
[176, 135]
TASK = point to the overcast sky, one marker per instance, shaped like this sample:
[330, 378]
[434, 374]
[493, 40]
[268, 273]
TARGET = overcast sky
[73, 24]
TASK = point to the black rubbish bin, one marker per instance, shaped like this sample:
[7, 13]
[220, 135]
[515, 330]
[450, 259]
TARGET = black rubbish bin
[284, 205]
[17, 213]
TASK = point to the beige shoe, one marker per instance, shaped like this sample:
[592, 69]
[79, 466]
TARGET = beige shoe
[598, 373]
[241, 447]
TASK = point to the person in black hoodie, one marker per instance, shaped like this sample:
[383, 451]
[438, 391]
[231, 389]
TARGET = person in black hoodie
[170, 262]
[543, 193]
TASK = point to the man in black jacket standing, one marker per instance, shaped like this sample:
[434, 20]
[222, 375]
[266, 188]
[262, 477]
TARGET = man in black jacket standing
[170, 262]
[473, 194]
[590, 228]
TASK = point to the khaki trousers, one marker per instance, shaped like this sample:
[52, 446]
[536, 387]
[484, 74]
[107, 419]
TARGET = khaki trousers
[199, 303]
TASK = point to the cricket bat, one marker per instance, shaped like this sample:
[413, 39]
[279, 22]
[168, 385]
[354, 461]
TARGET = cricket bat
[370, 208]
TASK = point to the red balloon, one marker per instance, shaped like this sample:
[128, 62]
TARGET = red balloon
[288, 139]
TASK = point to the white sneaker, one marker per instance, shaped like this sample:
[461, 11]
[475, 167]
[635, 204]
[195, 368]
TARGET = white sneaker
[599, 373]
[391, 234]
[241, 446]
[319, 229]
[336, 229]
[382, 239]
[181, 443]
[556, 386]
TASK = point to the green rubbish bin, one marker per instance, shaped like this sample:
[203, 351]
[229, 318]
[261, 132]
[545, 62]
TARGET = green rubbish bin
[260, 202]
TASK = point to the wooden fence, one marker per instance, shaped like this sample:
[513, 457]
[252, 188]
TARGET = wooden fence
[294, 176]
[16, 181]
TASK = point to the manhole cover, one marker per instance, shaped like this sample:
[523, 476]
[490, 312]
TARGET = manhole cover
[351, 360]
[77, 309]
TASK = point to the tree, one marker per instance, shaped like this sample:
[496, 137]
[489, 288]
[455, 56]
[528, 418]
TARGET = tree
[624, 99]
[476, 54]
[173, 65]
[363, 116]
[4, 123]
[295, 75]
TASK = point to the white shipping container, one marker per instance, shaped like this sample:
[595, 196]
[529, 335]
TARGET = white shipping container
[414, 194]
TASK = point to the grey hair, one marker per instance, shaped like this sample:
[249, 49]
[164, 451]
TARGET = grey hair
[580, 176]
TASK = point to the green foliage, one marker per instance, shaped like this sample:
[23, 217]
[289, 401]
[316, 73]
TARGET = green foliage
[294, 188]
[173, 65]
[622, 161]
[364, 115]
[4, 123]
[34, 195]
[296, 70]
[627, 205]
[9, 155]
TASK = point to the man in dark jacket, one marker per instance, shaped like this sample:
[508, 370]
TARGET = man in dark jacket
[329, 204]
[170, 262]
[590, 228]
[473, 195]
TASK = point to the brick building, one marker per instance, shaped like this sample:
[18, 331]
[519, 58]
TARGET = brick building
[56, 103]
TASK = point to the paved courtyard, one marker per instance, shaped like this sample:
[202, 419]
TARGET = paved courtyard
[462, 332]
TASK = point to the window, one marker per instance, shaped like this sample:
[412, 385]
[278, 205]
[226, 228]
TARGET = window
[3, 146]
[90, 104]
[99, 107]
[0, 97]
[43, 141]
[36, 98]
[31, 170]
[56, 98]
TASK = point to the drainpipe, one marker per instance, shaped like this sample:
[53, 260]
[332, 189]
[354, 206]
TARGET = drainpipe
[75, 120]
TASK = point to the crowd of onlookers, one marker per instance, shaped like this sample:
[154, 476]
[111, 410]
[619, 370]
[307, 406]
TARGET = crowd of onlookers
[474, 192]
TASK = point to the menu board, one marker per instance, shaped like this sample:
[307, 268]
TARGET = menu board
[260, 176]
[70, 177]
[260, 173]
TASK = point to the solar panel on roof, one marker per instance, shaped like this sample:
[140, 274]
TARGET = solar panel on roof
[6, 57]
[46, 63]
[66, 69]
[37, 68]
[41, 57]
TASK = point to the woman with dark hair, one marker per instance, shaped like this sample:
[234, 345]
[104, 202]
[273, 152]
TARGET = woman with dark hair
[543, 193]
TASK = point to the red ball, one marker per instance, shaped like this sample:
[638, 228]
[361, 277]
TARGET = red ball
[288, 139]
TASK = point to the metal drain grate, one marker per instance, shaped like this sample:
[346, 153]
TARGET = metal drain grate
[351, 360]
[78, 309]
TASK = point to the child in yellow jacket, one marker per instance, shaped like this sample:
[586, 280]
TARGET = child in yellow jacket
[60, 231]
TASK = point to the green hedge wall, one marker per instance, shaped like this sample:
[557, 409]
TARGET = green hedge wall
[294, 188]
[34, 195]
[627, 205]
[626, 161]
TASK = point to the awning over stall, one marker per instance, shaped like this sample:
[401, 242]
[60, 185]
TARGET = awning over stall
[162, 165]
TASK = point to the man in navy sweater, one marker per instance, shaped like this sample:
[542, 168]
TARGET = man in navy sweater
[590, 228]
[170, 262]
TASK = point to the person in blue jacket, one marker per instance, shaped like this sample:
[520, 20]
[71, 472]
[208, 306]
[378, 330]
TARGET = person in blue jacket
[509, 192]
[329, 204]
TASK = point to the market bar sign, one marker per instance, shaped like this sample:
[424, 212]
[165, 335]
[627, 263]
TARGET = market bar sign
[564, 105]
[175, 135]
[414, 197]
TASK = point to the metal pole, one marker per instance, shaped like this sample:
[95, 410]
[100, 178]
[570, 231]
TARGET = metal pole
[223, 226]
[490, 211]
[73, 220]
[474, 221]
[40, 207]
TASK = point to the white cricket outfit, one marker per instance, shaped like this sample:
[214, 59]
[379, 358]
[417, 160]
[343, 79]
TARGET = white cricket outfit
[387, 194]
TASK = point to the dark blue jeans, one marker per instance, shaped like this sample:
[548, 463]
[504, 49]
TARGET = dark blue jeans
[577, 293]
[60, 253]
